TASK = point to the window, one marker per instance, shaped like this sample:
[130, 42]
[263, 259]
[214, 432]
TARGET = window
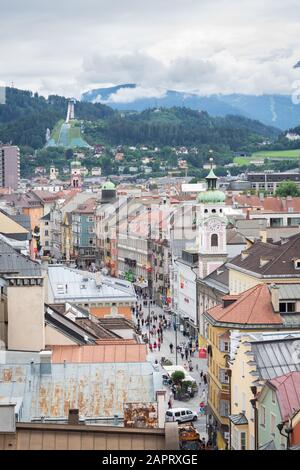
[272, 424]
[46, 233]
[243, 441]
[224, 379]
[262, 415]
[214, 240]
[243, 402]
[287, 307]
[273, 396]
[234, 439]
[224, 346]
[224, 408]
[236, 394]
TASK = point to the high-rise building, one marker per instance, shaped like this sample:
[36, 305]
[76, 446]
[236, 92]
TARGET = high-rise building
[9, 166]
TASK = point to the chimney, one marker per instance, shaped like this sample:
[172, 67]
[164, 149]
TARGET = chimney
[275, 297]
[73, 417]
[263, 236]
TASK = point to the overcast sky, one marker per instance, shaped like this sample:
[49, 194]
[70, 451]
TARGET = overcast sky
[209, 46]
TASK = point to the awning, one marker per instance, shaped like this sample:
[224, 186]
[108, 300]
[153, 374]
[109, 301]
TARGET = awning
[238, 419]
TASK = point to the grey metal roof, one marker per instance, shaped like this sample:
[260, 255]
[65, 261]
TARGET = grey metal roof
[277, 357]
[289, 291]
[97, 390]
[238, 419]
[73, 285]
[12, 262]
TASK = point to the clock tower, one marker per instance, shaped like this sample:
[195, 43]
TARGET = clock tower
[212, 227]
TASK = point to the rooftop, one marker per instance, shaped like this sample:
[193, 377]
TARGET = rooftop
[96, 389]
[252, 307]
[13, 263]
[73, 285]
[288, 393]
[103, 353]
[279, 258]
[275, 357]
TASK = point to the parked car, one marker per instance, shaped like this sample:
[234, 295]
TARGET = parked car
[180, 415]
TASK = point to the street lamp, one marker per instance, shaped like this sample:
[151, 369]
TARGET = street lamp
[175, 325]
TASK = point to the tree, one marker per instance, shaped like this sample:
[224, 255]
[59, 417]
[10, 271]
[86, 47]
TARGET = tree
[177, 377]
[288, 188]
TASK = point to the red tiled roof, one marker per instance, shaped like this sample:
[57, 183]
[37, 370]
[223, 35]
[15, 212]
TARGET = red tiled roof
[288, 393]
[253, 307]
[115, 352]
[87, 207]
[267, 204]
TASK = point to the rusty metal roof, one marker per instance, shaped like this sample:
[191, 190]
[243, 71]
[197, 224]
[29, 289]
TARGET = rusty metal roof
[97, 390]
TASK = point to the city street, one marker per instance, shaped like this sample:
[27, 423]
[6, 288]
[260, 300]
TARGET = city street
[198, 365]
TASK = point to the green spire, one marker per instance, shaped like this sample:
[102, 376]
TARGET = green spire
[212, 195]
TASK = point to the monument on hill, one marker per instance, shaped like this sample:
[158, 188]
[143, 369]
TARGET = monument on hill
[71, 110]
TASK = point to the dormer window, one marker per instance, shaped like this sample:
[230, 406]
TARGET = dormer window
[297, 263]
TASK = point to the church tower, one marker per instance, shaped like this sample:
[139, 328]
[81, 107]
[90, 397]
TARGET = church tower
[76, 176]
[212, 227]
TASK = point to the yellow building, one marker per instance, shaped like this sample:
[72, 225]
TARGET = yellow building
[257, 309]
[265, 263]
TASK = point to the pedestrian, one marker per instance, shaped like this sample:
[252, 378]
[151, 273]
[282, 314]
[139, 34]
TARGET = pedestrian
[182, 354]
[158, 346]
[150, 347]
[154, 345]
[171, 348]
[143, 321]
[186, 354]
[205, 379]
[201, 376]
[169, 404]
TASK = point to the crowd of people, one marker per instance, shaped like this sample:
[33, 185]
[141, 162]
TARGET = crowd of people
[154, 326]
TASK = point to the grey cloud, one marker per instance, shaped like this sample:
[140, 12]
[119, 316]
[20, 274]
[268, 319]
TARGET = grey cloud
[206, 45]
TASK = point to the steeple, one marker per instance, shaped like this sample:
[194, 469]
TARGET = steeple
[211, 178]
[212, 195]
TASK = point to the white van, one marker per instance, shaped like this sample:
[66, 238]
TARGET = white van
[180, 415]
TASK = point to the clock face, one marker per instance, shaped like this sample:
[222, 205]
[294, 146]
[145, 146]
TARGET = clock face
[214, 225]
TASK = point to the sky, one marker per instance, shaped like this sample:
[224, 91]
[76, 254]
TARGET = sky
[205, 46]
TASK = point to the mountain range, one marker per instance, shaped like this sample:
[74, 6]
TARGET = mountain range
[275, 110]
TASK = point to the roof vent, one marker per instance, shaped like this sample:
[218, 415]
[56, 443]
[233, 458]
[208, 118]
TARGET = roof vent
[244, 254]
[263, 261]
